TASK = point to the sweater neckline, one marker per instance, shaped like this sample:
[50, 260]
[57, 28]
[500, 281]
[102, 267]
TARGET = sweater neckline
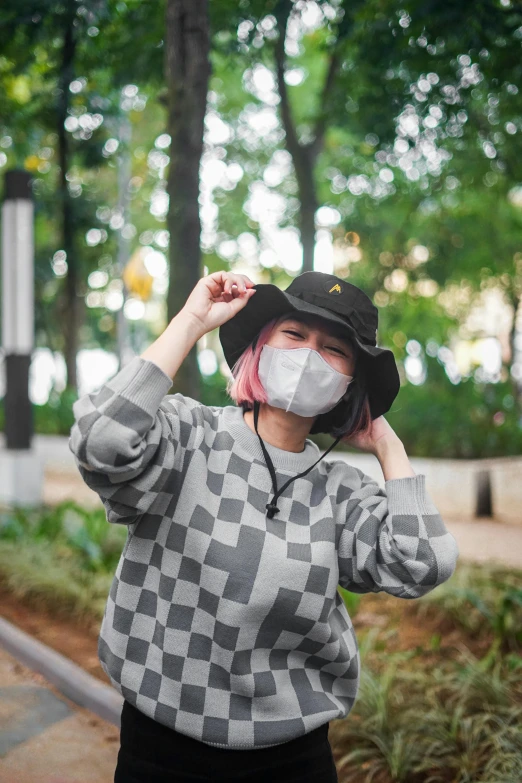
[235, 423]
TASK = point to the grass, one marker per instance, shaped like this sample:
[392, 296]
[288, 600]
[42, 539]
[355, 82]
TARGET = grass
[62, 559]
[50, 578]
[448, 716]
[431, 713]
[481, 600]
[456, 722]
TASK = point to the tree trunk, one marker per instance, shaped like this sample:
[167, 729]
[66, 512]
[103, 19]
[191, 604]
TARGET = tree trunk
[304, 156]
[307, 228]
[304, 165]
[187, 71]
[71, 302]
[516, 354]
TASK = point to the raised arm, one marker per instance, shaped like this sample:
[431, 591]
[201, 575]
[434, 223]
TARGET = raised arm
[128, 439]
[394, 539]
[215, 299]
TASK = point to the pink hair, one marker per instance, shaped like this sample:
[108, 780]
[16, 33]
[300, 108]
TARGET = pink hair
[245, 386]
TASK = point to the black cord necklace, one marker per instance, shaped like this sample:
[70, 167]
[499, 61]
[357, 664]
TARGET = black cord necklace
[272, 505]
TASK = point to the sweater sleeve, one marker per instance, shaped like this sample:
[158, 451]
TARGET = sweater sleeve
[129, 440]
[394, 540]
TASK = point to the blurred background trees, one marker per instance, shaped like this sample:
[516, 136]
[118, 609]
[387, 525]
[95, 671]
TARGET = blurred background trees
[377, 141]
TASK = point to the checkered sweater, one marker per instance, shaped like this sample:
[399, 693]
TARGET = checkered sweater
[221, 623]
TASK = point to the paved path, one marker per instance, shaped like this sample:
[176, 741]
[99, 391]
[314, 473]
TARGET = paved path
[483, 541]
[46, 738]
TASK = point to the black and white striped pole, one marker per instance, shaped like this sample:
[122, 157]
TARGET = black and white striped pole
[20, 468]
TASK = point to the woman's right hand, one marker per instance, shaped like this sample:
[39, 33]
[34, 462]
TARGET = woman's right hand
[218, 297]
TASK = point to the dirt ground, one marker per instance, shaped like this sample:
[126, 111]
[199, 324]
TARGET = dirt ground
[66, 637]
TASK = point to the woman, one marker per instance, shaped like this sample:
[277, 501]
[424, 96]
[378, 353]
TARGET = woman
[224, 630]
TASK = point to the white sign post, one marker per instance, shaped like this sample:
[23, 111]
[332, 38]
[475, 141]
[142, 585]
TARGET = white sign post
[21, 470]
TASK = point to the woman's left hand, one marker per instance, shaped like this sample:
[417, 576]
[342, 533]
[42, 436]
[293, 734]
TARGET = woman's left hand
[378, 433]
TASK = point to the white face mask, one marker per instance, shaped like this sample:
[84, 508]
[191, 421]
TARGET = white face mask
[300, 380]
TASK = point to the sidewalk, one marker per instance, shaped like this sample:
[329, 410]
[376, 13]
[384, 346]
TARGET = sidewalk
[482, 541]
[45, 737]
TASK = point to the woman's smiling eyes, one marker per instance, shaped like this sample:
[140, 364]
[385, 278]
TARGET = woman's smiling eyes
[331, 347]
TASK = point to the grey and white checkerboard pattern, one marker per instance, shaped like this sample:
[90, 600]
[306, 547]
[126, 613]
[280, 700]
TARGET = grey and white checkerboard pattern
[221, 623]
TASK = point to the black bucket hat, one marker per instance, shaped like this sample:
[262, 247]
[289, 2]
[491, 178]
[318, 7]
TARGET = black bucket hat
[329, 297]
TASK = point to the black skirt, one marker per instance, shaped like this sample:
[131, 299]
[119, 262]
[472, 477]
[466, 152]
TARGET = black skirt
[153, 753]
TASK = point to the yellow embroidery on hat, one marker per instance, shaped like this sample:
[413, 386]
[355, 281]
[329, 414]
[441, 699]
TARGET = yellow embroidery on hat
[336, 287]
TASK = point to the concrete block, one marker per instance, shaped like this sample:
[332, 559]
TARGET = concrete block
[506, 489]
[21, 477]
[451, 483]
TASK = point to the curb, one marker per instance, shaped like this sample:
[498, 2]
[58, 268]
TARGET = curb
[70, 679]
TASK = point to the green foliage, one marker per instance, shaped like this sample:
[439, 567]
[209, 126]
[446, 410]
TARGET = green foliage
[352, 601]
[437, 421]
[482, 601]
[425, 716]
[56, 415]
[468, 116]
[92, 543]
[60, 558]
[432, 725]
[468, 420]
[51, 577]
[213, 390]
